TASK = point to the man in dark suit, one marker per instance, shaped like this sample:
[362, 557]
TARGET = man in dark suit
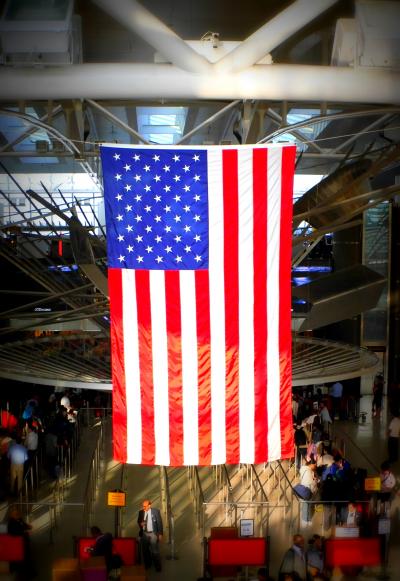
[150, 532]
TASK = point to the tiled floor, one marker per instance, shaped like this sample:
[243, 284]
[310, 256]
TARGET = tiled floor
[365, 446]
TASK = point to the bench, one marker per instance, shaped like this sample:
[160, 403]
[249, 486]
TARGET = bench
[125, 547]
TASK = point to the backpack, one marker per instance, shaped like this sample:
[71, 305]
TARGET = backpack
[302, 491]
[116, 561]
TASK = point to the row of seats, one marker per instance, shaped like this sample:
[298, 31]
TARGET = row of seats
[125, 547]
[224, 551]
[84, 567]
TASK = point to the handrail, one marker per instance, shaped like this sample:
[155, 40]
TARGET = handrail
[359, 450]
[52, 508]
[234, 510]
[264, 494]
[201, 493]
[198, 495]
[286, 477]
[228, 481]
[170, 515]
[90, 491]
[31, 478]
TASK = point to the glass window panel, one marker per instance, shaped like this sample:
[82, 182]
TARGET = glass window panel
[30, 10]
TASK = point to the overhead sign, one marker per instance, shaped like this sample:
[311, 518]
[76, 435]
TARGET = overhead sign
[116, 498]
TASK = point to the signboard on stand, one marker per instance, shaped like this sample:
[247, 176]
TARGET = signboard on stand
[247, 527]
[116, 498]
[372, 484]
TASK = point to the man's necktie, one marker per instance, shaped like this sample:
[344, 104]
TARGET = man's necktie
[145, 521]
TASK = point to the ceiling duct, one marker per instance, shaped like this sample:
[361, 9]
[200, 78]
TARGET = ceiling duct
[339, 186]
[339, 296]
[371, 39]
[45, 33]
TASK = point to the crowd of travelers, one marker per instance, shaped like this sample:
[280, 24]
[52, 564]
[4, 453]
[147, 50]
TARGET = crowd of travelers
[326, 479]
[43, 423]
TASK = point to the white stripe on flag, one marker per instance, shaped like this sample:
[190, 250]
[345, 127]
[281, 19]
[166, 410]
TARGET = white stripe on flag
[160, 366]
[131, 363]
[217, 304]
[246, 301]
[189, 368]
[273, 260]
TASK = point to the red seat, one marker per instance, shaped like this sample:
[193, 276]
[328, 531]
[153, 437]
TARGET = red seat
[125, 547]
[83, 544]
[353, 552]
[237, 551]
[11, 548]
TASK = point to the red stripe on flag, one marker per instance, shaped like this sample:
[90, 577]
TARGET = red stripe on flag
[260, 198]
[118, 365]
[231, 276]
[174, 341]
[285, 334]
[142, 280]
[204, 364]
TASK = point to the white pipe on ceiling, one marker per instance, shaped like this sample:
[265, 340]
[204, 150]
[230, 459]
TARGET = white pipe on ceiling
[138, 19]
[272, 34]
[145, 81]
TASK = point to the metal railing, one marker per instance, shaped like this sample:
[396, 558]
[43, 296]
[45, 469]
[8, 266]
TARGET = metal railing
[231, 513]
[47, 512]
[92, 414]
[331, 516]
[66, 459]
[197, 494]
[93, 478]
[170, 519]
[255, 485]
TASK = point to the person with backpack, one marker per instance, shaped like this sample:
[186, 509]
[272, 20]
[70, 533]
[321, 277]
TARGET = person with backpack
[309, 484]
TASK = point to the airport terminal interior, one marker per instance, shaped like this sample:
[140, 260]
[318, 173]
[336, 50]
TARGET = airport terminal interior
[323, 75]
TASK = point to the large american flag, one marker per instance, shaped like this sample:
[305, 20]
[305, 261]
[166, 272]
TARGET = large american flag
[199, 251]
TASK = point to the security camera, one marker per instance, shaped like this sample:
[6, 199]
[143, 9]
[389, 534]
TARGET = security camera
[215, 39]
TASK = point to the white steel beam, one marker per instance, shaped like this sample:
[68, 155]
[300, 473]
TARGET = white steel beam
[272, 34]
[138, 19]
[117, 121]
[143, 81]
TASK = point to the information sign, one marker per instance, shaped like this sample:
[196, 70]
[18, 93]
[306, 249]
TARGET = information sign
[372, 484]
[116, 498]
[246, 527]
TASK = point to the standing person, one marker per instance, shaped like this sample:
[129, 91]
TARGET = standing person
[377, 390]
[65, 401]
[308, 478]
[31, 442]
[388, 484]
[17, 455]
[325, 419]
[150, 531]
[294, 561]
[336, 393]
[393, 440]
[315, 557]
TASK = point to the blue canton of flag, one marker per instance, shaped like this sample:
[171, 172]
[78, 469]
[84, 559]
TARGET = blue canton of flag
[156, 208]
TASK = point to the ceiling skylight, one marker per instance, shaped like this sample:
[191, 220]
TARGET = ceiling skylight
[162, 125]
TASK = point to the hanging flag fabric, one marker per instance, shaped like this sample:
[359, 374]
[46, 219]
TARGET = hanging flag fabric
[199, 255]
